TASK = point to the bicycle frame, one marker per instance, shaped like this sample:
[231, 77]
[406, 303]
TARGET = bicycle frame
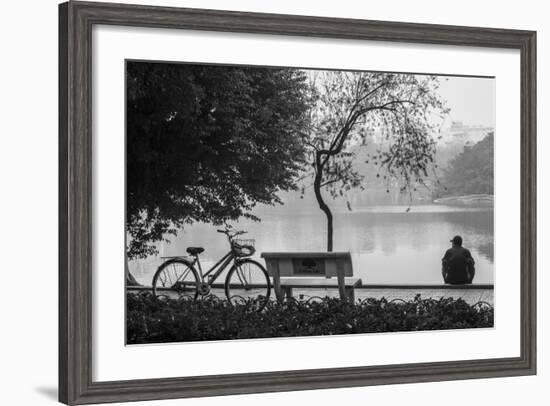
[220, 265]
[239, 252]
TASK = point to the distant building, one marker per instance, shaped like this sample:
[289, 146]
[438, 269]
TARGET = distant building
[466, 134]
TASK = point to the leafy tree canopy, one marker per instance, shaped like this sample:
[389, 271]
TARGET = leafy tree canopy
[471, 171]
[207, 143]
[402, 110]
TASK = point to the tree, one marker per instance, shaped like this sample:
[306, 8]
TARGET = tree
[471, 171]
[352, 107]
[207, 143]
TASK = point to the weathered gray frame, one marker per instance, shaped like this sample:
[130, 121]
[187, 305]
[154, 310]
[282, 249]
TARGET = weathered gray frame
[75, 178]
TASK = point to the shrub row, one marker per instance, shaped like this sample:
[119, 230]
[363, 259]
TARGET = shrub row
[152, 321]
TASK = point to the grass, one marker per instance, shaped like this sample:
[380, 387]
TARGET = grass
[152, 321]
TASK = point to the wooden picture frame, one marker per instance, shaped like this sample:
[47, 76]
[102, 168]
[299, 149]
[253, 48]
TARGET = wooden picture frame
[75, 182]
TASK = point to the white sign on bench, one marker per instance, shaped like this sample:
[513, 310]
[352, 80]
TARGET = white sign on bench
[311, 270]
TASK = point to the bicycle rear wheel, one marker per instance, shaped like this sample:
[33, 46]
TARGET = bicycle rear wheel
[176, 279]
[247, 282]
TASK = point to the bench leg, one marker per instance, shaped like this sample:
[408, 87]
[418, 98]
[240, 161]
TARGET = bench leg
[288, 292]
[342, 286]
[350, 293]
[279, 294]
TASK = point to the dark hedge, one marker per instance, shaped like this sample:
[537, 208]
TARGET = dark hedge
[152, 321]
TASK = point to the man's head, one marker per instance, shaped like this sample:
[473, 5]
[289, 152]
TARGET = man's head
[457, 240]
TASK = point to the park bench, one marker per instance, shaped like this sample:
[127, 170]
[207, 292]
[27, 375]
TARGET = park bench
[311, 270]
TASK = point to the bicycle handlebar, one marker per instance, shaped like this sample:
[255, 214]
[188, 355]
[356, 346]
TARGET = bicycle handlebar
[231, 233]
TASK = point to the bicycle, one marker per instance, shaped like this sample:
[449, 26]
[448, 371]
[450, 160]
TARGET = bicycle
[246, 282]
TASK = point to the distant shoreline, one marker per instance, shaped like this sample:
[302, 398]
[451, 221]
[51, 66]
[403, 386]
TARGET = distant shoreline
[467, 200]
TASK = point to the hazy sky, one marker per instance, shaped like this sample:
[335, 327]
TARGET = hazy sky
[472, 100]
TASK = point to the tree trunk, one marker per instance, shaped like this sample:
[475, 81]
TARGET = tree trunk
[322, 205]
[130, 280]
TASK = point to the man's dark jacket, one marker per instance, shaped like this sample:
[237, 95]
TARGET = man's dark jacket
[458, 266]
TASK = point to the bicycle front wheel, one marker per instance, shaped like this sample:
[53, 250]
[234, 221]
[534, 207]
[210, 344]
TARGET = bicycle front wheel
[248, 283]
[176, 279]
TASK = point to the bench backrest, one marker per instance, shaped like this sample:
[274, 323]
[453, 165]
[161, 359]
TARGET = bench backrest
[300, 264]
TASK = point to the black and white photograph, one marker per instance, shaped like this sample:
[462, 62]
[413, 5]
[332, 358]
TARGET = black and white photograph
[266, 202]
[275, 203]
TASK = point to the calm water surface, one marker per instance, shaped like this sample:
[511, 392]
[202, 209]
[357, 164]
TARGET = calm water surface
[388, 245]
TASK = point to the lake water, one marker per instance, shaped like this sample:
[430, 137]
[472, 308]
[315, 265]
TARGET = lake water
[388, 244]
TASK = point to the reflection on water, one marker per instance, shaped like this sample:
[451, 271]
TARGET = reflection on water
[388, 245]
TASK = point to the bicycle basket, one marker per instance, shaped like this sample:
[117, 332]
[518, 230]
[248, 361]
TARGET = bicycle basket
[243, 248]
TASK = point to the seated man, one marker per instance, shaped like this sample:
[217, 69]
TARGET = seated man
[458, 264]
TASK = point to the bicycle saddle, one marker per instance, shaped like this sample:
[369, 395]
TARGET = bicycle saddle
[194, 250]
